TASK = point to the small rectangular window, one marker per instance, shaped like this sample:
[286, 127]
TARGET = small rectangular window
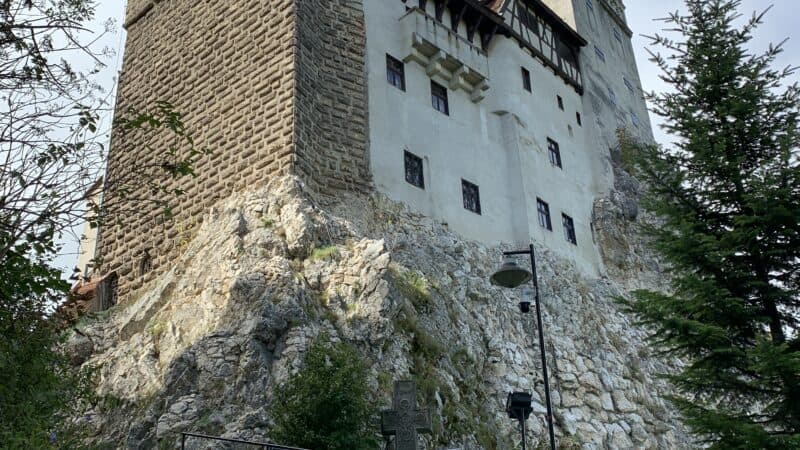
[628, 84]
[414, 170]
[599, 53]
[543, 210]
[578, 119]
[553, 152]
[560, 102]
[612, 97]
[526, 80]
[395, 73]
[569, 229]
[617, 36]
[634, 119]
[589, 4]
[472, 196]
[439, 98]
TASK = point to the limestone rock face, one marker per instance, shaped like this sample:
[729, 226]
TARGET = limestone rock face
[268, 271]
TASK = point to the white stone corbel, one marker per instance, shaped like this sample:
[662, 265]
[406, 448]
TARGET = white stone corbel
[416, 55]
[458, 79]
[479, 93]
[435, 64]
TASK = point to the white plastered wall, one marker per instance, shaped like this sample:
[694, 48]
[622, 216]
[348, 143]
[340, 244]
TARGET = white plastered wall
[498, 143]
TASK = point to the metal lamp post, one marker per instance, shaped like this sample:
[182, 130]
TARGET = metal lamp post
[511, 275]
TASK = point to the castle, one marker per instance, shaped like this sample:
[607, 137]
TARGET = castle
[368, 158]
[495, 117]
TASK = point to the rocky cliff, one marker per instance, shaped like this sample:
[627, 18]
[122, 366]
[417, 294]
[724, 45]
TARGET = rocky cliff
[203, 347]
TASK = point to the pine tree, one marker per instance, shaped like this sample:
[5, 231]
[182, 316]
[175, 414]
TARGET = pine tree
[727, 193]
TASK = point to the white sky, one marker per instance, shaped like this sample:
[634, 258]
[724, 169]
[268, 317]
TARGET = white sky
[780, 23]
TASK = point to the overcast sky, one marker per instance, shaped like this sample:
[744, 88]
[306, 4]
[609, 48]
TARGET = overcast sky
[780, 24]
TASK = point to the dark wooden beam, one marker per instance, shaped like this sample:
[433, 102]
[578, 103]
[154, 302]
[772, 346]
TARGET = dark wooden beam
[487, 36]
[441, 5]
[472, 27]
[456, 16]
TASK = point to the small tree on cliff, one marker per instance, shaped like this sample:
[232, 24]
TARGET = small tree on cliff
[728, 191]
[326, 406]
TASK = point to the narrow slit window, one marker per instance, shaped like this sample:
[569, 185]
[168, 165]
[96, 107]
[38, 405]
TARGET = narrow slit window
[554, 153]
[569, 229]
[634, 119]
[395, 73]
[439, 98]
[600, 54]
[526, 80]
[145, 263]
[472, 196]
[628, 84]
[578, 119]
[414, 170]
[560, 102]
[543, 210]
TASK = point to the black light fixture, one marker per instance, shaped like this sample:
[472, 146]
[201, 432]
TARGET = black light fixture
[519, 407]
[511, 275]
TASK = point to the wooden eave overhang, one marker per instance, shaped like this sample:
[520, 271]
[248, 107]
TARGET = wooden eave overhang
[560, 27]
[487, 18]
[479, 18]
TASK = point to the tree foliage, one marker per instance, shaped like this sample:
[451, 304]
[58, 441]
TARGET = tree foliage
[728, 196]
[326, 406]
[52, 149]
[39, 387]
[51, 152]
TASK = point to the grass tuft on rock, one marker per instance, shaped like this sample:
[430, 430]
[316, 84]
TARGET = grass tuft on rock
[324, 253]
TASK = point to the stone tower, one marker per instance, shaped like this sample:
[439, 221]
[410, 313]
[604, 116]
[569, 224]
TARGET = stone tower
[271, 86]
[527, 98]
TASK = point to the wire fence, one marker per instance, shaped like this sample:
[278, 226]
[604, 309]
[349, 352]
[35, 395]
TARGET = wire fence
[188, 437]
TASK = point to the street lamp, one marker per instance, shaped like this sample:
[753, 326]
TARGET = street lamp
[518, 407]
[511, 275]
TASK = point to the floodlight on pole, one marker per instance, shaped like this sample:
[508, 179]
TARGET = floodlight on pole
[511, 275]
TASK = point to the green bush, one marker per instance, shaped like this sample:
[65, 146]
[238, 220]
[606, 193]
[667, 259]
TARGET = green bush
[322, 253]
[327, 405]
[413, 286]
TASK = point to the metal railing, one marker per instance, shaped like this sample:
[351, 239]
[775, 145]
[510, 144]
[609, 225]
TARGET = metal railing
[261, 445]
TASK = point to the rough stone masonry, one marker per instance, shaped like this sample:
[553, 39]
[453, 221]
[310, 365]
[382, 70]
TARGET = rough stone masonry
[272, 87]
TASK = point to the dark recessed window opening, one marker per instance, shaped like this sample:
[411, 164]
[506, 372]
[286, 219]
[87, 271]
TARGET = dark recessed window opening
[628, 84]
[439, 98]
[569, 229]
[544, 214]
[634, 119]
[553, 152]
[526, 80]
[414, 173]
[578, 119]
[600, 54]
[472, 196]
[145, 263]
[560, 102]
[395, 73]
